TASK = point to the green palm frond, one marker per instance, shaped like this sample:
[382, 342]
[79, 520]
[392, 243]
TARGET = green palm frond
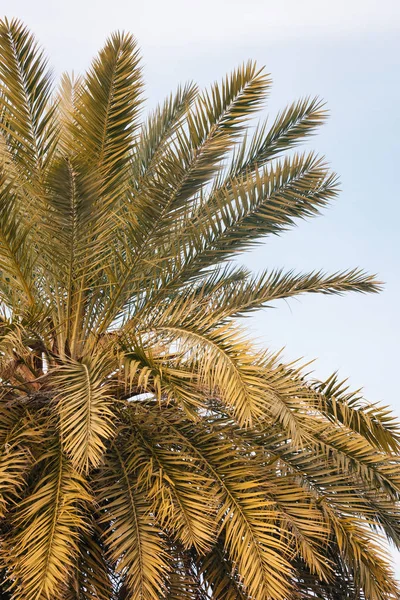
[229, 293]
[157, 132]
[237, 214]
[188, 164]
[68, 92]
[17, 261]
[246, 208]
[291, 126]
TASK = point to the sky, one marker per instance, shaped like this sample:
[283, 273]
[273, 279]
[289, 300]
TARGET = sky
[347, 52]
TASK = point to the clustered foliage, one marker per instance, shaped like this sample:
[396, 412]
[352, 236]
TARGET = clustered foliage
[147, 449]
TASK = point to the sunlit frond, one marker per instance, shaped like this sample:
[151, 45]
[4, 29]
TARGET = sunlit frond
[106, 115]
[83, 406]
[132, 538]
[27, 119]
[149, 449]
[45, 530]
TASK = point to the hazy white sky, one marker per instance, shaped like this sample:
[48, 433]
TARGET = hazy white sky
[346, 51]
[184, 22]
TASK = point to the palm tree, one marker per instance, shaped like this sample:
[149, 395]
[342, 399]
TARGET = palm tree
[148, 450]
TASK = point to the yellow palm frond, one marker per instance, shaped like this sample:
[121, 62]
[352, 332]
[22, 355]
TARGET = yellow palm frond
[132, 538]
[149, 449]
[83, 405]
[27, 121]
[46, 529]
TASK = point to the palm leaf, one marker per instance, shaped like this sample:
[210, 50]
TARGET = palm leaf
[91, 578]
[47, 526]
[188, 164]
[295, 123]
[250, 543]
[17, 259]
[27, 116]
[216, 470]
[83, 407]
[220, 575]
[133, 540]
[106, 114]
[374, 422]
[184, 496]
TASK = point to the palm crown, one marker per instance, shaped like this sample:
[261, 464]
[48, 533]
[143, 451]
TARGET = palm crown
[148, 449]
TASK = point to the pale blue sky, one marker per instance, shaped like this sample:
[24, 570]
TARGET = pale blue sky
[346, 51]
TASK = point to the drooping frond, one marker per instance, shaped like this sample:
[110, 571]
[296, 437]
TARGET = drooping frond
[132, 538]
[250, 541]
[220, 360]
[45, 530]
[184, 495]
[373, 421]
[92, 575]
[19, 437]
[83, 406]
[220, 576]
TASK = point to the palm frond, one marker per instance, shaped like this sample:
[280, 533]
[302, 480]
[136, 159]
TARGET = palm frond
[149, 449]
[374, 576]
[27, 120]
[46, 530]
[83, 407]
[19, 438]
[250, 542]
[184, 496]
[133, 540]
[226, 366]
[157, 132]
[375, 422]
[188, 164]
[106, 115]
[68, 93]
[17, 260]
[92, 575]
[220, 576]
[295, 123]
[229, 293]
[239, 213]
